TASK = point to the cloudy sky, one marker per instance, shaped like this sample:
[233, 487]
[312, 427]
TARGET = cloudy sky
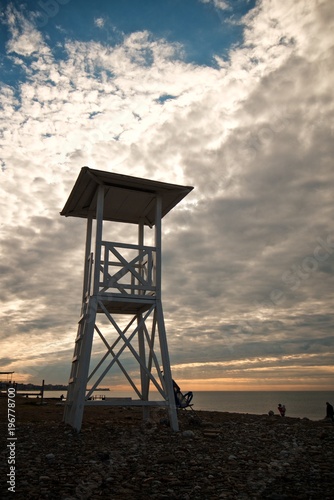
[232, 97]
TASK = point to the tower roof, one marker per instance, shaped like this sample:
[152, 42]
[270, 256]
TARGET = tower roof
[127, 199]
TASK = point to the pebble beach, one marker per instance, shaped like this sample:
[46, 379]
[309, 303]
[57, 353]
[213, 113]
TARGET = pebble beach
[215, 455]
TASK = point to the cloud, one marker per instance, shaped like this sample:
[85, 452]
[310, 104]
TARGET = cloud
[218, 4]
[25, 39]
[247, 257]
[99, 22]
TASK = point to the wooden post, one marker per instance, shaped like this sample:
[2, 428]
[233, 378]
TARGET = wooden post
[141, 342]
[98, 237]
[42, 392]
[87, 254]
[161, 324]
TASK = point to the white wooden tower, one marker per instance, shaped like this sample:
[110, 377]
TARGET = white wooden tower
[121, 302]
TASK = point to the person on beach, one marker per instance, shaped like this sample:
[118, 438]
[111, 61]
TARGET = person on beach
[181, 400]
[177, 393]
[282, 410]
[329, 411]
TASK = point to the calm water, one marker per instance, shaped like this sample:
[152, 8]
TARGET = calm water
[310, 404]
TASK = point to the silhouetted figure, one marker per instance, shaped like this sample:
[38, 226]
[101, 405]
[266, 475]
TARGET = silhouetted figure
[282, 410]
[329, 411]
[177, 392]
[62, 397]
[181, 400]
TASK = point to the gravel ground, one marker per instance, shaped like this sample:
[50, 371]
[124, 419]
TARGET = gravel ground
[117, 456]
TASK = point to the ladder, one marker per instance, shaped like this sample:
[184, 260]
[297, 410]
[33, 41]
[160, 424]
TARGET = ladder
[80, 364]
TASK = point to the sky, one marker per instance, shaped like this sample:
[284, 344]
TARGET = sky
[234, 98]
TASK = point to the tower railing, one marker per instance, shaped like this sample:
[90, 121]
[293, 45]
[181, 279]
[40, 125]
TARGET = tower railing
[127, 270]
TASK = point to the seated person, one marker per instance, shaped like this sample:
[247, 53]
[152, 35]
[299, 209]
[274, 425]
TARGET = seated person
[181, 400]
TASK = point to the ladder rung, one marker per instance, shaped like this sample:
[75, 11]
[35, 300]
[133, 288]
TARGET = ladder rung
[72, 380]
[75, 358]
[82, 317]
[79, 337]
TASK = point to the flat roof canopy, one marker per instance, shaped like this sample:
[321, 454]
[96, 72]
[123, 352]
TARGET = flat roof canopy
[127, 199]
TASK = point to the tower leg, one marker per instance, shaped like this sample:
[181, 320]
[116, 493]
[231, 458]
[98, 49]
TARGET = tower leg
[174, 423]
[143, 375]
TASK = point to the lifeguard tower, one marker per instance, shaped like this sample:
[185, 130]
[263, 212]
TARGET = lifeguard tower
[121, 302]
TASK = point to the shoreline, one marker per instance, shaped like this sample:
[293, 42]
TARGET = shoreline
[37, 400]
[299, 404]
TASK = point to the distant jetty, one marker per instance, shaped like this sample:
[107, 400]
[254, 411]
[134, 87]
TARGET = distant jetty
[46, 387]
[50, 387]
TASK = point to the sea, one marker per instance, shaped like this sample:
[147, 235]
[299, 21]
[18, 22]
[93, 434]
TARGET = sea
[299, 404]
